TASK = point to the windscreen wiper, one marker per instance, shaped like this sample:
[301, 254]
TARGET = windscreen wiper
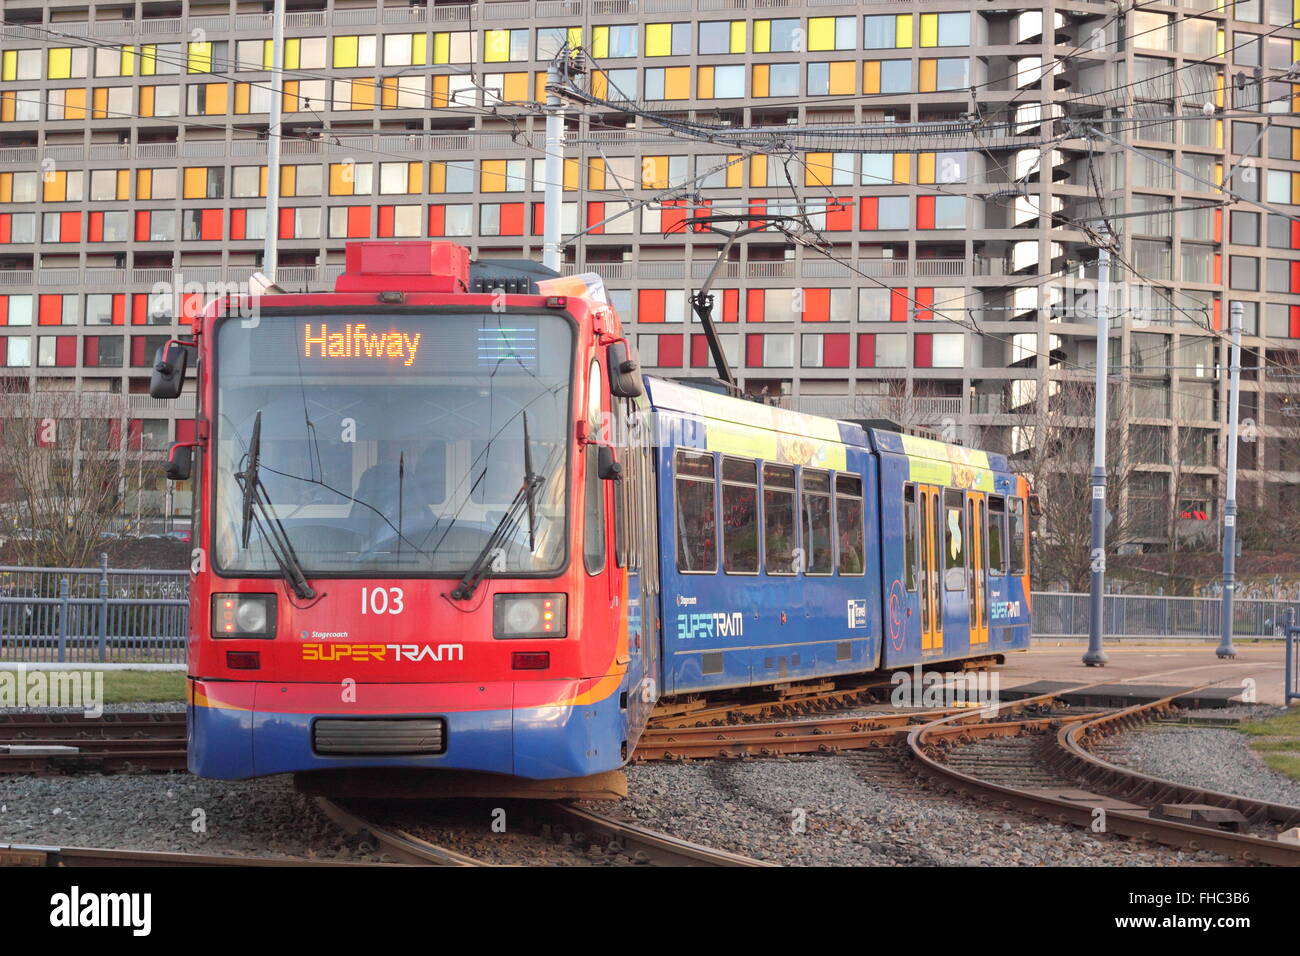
[524, 500]
[257, 507]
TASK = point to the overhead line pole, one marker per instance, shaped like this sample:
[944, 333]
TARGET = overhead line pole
[553, 193]
[273, 133]
[1225, 648]
[1096, 656]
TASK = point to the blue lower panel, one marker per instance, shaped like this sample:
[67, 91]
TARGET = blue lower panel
[535, 742]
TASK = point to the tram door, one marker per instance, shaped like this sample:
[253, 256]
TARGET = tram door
[931, 553]
[977, 521]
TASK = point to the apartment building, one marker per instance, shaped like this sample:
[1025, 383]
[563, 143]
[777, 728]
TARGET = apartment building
[942, 283]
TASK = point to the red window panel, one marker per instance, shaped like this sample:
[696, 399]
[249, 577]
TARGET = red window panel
[512, 219]
[757, 207]
[704, 208]
[1295, 321]
[6, 227]
[924, 350]
[238, 224]
[672, 216]
[1218, 268]
[359, 222]
[210, 225]
[754, 301]
[816, 305]
[185, 430]
[1218, 225]
[142, 225]
[924, 212]
[835, 350]
[539, 219]
[866, 350]
[287, 220]
[899, 305]
[670, 351]
[437, 220]
[924, 304]
[135, 434]
[1295, 274]
[700, 357]
[1295, 235]
[69, 227]
[754, 350]
[869, 214]
[114, 433]
[650, 305]
[50, 310]
[140, 308]
[386, 216]
[191, 306]
[730, 305]
[90, 351]
[65, 351]
[839, 215]
[138, 359]
[4, 310]
[1216, 315]
[95, 231]
[119, 308]
[595, 213]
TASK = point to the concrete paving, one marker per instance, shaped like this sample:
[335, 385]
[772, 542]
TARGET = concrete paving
[1166, 664]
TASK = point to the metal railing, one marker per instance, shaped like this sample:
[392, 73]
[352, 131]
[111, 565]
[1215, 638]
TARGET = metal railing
[93, 614]
[1133, 616]
[1291, 686]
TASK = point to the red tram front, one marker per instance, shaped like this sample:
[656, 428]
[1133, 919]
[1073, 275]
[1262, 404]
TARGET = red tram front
[406, 532]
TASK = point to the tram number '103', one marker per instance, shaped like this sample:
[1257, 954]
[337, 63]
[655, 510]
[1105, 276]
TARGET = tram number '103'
[382, 601]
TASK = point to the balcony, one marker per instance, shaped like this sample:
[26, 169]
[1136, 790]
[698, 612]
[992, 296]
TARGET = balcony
[916, 410]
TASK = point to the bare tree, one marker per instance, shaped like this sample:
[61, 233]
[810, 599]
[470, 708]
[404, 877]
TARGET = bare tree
[1053, 449]
[68, 460]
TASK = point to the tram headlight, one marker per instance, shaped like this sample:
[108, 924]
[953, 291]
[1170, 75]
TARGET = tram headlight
[529, 615]
[243, 615]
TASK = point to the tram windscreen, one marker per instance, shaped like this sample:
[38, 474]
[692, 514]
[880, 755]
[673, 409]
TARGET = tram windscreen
[392, 443]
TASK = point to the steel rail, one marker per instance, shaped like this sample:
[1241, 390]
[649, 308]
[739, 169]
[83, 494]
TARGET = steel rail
[21, 855]
[657, 848]
[396, 842]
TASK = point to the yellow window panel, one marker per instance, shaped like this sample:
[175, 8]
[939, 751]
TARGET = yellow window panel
[514, 87]
[200, 58]
[268, 55]
[600, 44]
[929, 29]
[817, 169]
[1295, 136]
[10, 68]
[8, 104]
[60, 63]
[148, 59]
[442, 48]
[760, 80]
[737, 36]
[494, 176]
[570, 175]
[144, 184]
[441, 94]
[146, 100]
[704, 83]
[843, 78]
[218, 101]
[1218, 43]
[55, 186]
[735, 172]
[757, 171]
[574, 37]
[903, 31]
[288, 180]
[677, 83]
[599, 84]
[762, 36]
[871, 76]
[821, 33]
[243, 94]
[6, 186]
[128, 61]
[928, 74]
[123, 184]
[196, 182]
[290, 92]
[925, 168]
[263, 178]
[902, 167]
[496, 46]
[539, 86]
[99, 103]
[437, 176]
[342, 178]
[658, 39]
[345, 52]
[292, 53]
[1295, 188]
[363, 94]
[654, 172]
[74, 104]
[415, 177]
[596, 173]
[420, 49]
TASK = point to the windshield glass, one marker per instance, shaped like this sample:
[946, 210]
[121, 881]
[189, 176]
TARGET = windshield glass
[393, 443]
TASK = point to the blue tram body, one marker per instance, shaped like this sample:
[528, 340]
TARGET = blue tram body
[794, 547]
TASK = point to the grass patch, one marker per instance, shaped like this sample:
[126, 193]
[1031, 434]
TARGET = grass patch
[131, 687]
[1278, 742]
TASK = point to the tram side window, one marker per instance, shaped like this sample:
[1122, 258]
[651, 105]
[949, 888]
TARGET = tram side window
[909, 536]
[819, 547]
[848, 522]
[779, 534]
[997, 531]
[697, 522]
[739, 516]
[1016, 538]
[954, 538]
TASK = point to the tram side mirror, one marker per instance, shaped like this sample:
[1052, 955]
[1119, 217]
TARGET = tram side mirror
[624, 372]
[179, 463]
[607, 466]
[168, 376]
[1035, 506]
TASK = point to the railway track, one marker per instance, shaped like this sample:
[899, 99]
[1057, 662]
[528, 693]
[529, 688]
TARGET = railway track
[23, 855]
[73, 743]
[1035, 756]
